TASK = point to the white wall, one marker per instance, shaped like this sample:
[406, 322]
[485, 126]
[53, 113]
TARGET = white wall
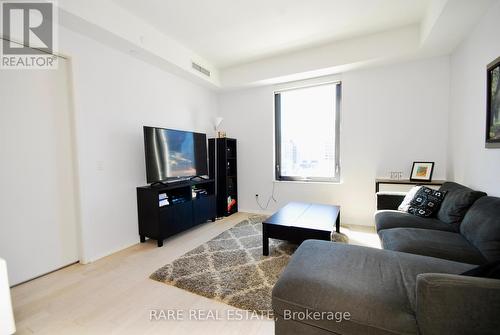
[114, 25]
[391, 116]
[470, 163]
[114, 96]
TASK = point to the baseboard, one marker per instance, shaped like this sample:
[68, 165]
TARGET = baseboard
[255, 211]
[44, 274]
[87, 260]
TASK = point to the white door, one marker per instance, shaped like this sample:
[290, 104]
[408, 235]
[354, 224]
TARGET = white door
[38, 222]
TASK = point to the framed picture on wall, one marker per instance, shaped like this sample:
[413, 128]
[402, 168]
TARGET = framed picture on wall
[493, 104]
[422, 171]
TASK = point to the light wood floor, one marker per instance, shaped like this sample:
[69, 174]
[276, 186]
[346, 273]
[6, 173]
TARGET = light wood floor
[114, 295]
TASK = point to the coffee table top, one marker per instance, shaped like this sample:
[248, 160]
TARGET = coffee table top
[306, 215]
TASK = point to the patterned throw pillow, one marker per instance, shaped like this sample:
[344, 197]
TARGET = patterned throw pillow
[408, 198]
[426, 202]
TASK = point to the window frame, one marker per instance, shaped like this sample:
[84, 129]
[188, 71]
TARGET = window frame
[277, 136]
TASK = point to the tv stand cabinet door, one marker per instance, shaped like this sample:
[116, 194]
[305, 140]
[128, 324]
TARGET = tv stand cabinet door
[175, 219]
[204, 209]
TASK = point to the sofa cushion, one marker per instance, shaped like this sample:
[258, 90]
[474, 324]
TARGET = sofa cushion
[426, 202]
[433, 243]
[377, 287]
[387, 219]
[405, 204]
[481, 227]
[488, 270]
[457, 201]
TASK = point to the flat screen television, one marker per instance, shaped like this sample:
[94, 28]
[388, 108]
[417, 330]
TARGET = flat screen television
[173, 154]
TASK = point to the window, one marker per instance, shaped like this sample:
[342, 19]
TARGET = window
[307, 133]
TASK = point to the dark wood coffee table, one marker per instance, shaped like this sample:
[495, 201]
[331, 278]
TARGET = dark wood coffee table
[298, 221]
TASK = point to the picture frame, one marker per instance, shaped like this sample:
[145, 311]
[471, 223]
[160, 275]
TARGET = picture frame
[493, 104]
[422, 171]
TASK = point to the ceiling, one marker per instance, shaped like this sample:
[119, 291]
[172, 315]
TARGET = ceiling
[235, 32]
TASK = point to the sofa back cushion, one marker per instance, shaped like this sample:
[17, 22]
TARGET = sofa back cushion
[481, 227]
[457, 201]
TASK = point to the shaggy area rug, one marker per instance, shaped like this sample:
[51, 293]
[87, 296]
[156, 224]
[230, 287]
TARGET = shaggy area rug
[230, 267]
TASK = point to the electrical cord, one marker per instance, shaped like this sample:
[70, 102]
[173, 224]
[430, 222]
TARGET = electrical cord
[271, 197]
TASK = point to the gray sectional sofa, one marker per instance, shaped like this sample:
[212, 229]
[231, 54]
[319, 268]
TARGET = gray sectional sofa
[413, 286]
[465, 228]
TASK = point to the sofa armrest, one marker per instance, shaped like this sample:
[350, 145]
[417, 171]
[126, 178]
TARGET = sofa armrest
[389, 200]
[455, 304]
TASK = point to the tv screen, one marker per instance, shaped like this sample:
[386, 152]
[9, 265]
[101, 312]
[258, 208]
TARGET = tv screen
[174, 154]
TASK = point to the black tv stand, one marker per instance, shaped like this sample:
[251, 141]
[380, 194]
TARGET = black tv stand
[180, 212]
[158, 183]
[198, 177]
